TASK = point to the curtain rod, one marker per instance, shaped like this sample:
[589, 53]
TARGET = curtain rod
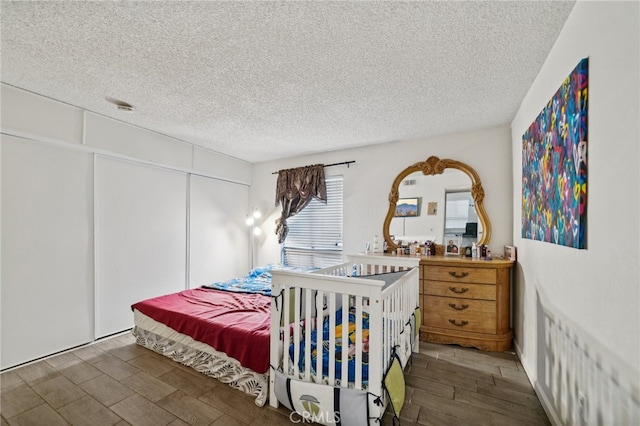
[329, 165]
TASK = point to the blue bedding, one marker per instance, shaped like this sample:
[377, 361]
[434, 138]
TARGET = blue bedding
[258, 281]
[342, 351]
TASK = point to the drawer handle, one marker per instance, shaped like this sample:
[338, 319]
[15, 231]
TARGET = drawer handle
[461, 324]
[458, 275]
[462, 290]
[458, 308]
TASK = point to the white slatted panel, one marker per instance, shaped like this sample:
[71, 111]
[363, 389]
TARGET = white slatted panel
[296, 333]
[358, 322]
[286, 307]
[332, 339]
[345, 341]
[321, 298]
[319, 333]
[308, 325]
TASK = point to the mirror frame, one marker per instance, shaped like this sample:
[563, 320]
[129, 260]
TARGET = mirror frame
[435, 166]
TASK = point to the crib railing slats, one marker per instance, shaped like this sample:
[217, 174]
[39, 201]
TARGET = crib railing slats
[307, 335]
[332, 339]
[359, 342]
[316, 301]
[395, 330]
[296, 332]
[318, 327]
[285, 326]
[385, 326]
[376, 343]
[344, 374]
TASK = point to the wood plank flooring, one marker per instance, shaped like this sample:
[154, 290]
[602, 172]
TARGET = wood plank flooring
[116, 382]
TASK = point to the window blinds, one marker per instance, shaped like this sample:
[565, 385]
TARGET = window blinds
[315, 234]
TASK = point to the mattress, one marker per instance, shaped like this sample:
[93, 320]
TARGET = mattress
[233, 323]
[149, 324]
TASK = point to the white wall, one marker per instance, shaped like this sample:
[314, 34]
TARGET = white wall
[597, 288]
[56, 289]
[367, 183]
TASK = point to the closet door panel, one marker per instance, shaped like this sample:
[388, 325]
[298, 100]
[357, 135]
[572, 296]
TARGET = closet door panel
[47, 250]
[218, 239]
[141, 227]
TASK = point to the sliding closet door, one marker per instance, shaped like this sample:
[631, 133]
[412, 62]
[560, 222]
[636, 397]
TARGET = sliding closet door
[47, 250]
[141, 226]
[218, 237]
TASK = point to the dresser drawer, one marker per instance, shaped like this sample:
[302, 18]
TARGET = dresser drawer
[462, 290]
[477, 316]
[460, 274]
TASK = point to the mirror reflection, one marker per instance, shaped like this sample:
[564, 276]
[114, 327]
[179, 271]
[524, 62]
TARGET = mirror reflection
[461, 223]
[436, 200]
[444, 208]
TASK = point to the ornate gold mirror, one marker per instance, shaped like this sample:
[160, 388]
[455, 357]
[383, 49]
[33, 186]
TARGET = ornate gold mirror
[454, 178]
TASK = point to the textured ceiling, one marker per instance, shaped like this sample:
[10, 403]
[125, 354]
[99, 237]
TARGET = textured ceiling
[266, 80]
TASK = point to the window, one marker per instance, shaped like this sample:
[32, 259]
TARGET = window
[461, 218]
[315, 234]
[457, 214]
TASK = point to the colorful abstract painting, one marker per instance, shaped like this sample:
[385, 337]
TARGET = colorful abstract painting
[554, 166]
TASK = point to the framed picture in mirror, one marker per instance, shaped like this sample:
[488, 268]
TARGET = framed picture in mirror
[408, 207]
[453, 245]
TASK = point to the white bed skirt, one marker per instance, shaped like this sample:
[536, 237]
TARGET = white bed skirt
[199, 356]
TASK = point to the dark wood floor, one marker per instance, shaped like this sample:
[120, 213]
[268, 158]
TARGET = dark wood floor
[116, 382]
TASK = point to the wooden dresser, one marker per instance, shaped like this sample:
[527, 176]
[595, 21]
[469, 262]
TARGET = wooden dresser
[466, 301]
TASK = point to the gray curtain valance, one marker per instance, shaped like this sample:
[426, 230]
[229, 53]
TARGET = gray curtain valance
[294, 190]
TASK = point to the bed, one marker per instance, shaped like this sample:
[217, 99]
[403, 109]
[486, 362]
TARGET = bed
[221, 330]
[295, 327]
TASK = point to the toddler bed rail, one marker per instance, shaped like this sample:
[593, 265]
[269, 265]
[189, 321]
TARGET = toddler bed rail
[338, 328]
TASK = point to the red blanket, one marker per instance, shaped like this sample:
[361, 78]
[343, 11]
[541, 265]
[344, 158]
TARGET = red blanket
[233, 323]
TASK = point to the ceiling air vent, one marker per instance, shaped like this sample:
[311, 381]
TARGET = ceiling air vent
[409, 182]
[121, 105]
